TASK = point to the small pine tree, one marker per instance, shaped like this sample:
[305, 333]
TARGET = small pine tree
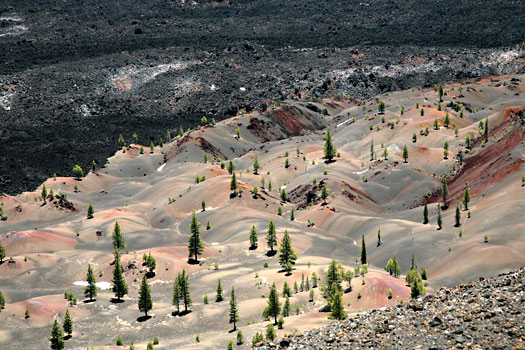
[329, 148]
[233, 183]
[195, 244]
[283, 195]
[184, 287]
[117, 237]
[219, 297]
[2, 253]
[414, 138]
[466, 197]
[425, 213]
[325, 192]
[90, 212]
[119, 287]
[90, 291]
[385, 153]
[444, 191]
[231, 167]
[274, 306]
[381, 107]
[372, 150]
[93, 166]
[271, 236]
[240, 338]
[44, 193]
[68, 324]
[145, 301]
[337, 309]
[286, 307]
[77, 171]
[292, 215]
[457, 217]
[270, 332]
[253, 238]
[151, 147]
[2, 301]
[486, 130]
[363, 250]
[57, 337]
[405, 153]
[176, 294]
[135, 138]
[379, 236]
[287, 254]
[332, 282]
[256, 165]
[234, 311]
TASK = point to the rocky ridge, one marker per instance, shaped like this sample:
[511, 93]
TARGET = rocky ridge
[485, 314]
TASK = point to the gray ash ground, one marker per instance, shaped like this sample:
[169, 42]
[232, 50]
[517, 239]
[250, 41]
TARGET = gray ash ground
[74, 75]
[486, 314]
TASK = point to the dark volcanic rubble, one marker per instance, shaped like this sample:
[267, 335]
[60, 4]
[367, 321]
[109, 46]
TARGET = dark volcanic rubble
[486, 314]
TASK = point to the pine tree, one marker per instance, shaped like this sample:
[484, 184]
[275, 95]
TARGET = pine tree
[119, 287]
[118, 238]
[337, 310]
[271, 236]
[135, 138]
[68, 324]
[486, 130]
[329, 148]
[325, 192]
[425, 213]
[2, 301]
[274, 306]
[381, 107]
[176, 294]
[90, 212]
[2, 253]
[405, 153]
[145, 300]
[254, 240]
[363, 250]
[385, 153]
[445, 150]
[256, 165]
[233, 183]
[90, 291]
[287, 254]
[283, 195]
[77, 171]
[379, 236]
[151, 147]
[220, 296]
[185, 290]
[287, 307]
[439, 219]
[44, 193]
[231, 167]
[234, 311]
[286, 290]
[57, 337]
[195, 244]
[292, 215]
[333, 280]
[444, 191]
[458, 217]
[372, 150]
[466, 197]
[440, 92]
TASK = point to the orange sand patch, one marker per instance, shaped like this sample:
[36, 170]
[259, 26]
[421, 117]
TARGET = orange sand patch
[36, 241]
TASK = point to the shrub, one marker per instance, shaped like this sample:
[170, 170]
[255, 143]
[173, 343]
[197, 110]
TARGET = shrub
[119, 341]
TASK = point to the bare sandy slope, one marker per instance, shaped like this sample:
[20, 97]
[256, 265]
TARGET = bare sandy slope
[153, 195]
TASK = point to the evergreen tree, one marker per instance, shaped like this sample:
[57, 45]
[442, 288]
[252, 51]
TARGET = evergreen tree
[445, 150]
[363, 250]
[176, 294]
[57, 337]
[185, 290]
[90, 291]
[44, 193]
[287, 307]
[444, 190]
[2, 301]
[440, 92]
[292, 215]
[90, 212]
[329, 148]
[446, 122]
[233, 183]
[2, 253]
[271, 236]
[119, 287]
[287, 254]
[381, 107]
[77, 171]
[439, 219]
[256, 165]
[372, 150]
[231, 167]
[385, 153]
[325, 192]
[220, 296]
[195, 244]
[254, 241]
[425, 213]
[286, 290]
[118, 238]
[337, 310]
[68, 324]
[458, 217]
[333, 280]
[274, 306]
[234, 311]
[135, 138]
[145, 300]
[486, 130]
[405, 153]
[151, 147]
[283, 195]
[466, 197]
[240, 338]
[270, 332]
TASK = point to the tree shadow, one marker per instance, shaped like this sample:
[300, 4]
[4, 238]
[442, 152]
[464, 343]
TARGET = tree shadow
[87, 301]
[192, 261]
[252, 248]
[143, 318]
[232, 330]
[271, 253]
[328, 161]
[67, 337]
[150, 274]
[116, 301]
